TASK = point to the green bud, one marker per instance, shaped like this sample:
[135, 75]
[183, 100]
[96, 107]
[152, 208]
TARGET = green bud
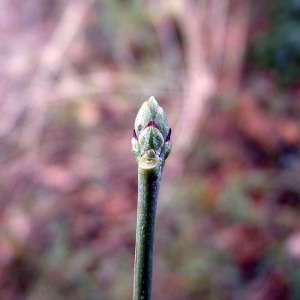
[151, 138]
[151, 131]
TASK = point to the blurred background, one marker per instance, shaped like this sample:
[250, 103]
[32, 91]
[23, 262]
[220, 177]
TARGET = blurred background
[73, 76]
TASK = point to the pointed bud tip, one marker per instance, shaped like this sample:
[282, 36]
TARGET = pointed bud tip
[152, 101]
[152, 106]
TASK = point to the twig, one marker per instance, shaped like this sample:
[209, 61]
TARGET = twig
[151, 146]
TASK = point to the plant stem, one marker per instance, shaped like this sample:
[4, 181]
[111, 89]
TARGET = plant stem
[148, 189]
[151, 146]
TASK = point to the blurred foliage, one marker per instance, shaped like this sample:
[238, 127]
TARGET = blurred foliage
[278, 47]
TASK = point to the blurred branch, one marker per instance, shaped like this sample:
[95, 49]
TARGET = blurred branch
[200, 83]
[214, 41]
[218, 17]
[25, 103]
[51, 59]
[34, 102]
[235, 46]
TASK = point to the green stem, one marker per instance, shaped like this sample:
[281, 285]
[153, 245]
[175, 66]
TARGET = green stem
[151, 146]
[149, 183]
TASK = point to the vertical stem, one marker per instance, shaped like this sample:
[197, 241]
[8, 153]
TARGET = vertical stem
[148, 189]
[151, 146]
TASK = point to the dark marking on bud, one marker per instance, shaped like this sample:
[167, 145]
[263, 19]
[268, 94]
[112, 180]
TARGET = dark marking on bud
[152, 124]
[168, 138]
[134, 135]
